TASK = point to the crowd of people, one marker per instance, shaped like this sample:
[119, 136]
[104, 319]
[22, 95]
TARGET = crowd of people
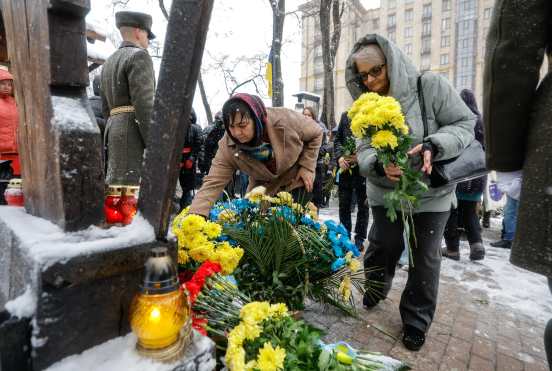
[250, 145]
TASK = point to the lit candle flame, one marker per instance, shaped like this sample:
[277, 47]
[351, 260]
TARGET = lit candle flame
[155, 314]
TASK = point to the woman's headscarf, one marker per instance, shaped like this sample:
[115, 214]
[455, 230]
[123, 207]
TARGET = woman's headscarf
[257, 111]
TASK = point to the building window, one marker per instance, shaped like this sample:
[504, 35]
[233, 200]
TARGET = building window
[444, 60]
[392, 36]
[465, 62]
[426, 62]
[446, 5]
[391, 20]
[375, 23]
[319, 83]
[445, 24]
[487, 13]
[408, 1]
[426, 28]
[391, 4]
[445, 41]
[426, 45]
[408, 15]
[408, 32]
[318, 65]
[408, 49]
[426, 13]
[318, 51]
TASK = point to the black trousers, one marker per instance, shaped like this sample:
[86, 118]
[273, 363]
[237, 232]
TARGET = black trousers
[187, 181]
[318, 187]
[465, 216]
[350, 185]
[419, 297]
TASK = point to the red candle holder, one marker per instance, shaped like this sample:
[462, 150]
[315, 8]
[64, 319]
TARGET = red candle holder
[112, 204]
[129, 203]
[14, 193]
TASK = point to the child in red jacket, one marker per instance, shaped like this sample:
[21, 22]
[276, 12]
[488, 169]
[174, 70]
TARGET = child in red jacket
[9, 119]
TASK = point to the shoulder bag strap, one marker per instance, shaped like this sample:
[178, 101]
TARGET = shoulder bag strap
[421, 101]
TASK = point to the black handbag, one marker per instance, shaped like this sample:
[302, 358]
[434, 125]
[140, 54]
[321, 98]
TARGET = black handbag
[469, 164]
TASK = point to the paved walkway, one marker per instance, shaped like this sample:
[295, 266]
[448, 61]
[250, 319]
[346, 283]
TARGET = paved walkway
[479, 325]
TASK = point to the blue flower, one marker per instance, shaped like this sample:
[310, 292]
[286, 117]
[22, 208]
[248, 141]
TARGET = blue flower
[342, 230]
[338, 264]
[332, 236]
[286, 213]
[331, 225]
[338, 251]
[349, 246]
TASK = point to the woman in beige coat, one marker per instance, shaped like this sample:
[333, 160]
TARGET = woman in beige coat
[276, 147]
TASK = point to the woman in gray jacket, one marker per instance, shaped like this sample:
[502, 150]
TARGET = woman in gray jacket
[379, 66]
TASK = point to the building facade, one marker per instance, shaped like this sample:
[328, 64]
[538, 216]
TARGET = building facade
[443, 36]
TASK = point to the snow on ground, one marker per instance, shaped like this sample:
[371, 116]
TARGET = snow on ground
[119, 354]
[494, 279]
[114, 355]
[46, 243]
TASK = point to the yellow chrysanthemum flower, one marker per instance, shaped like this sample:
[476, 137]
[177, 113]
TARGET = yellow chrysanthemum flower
[354, 265]
[255, 312]
[193, 223]
[286, 198]
[279, 309]
[298, 207]
[252, 331]
[271, 359]
[345, 288]
[212, 230]
[182, 256]
[227, 256]
[227, 216]
[202, 252]
[235, 358]
[383, 139]
[256, 194]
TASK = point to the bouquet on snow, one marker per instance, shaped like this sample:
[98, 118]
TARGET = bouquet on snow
[277, 250]
[380, 120]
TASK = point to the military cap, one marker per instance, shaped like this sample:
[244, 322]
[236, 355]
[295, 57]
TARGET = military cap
[135, 19]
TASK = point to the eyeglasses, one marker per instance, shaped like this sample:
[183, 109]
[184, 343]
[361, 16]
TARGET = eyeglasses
[374, 72]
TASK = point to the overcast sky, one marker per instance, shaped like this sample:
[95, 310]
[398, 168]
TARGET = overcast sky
[238, 28]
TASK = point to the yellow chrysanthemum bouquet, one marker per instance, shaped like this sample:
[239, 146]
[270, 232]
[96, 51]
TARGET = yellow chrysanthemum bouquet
[198, 241]
[380, 119]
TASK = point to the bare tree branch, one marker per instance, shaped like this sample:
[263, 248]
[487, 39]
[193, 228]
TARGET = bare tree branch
[163, 9]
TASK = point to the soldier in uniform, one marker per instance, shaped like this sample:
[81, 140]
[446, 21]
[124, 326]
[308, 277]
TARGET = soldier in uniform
[127, 90]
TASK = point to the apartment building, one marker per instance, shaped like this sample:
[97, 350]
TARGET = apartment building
[443, 36]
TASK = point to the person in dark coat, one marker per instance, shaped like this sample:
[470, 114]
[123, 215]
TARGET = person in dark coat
[469, 195]
[127, 90]
[518, 125]
[320, 172]
[351, 184]
[96, 104]
[212, 135]
[191, 152]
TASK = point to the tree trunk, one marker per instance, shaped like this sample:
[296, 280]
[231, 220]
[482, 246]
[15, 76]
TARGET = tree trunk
[206, 105]
[330, 43]
[278, 16]
[204, 99]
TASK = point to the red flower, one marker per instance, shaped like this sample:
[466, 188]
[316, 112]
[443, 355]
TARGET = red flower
[199, 324]
[195, 284]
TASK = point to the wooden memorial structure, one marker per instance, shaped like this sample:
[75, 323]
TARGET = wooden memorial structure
[84, 300]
